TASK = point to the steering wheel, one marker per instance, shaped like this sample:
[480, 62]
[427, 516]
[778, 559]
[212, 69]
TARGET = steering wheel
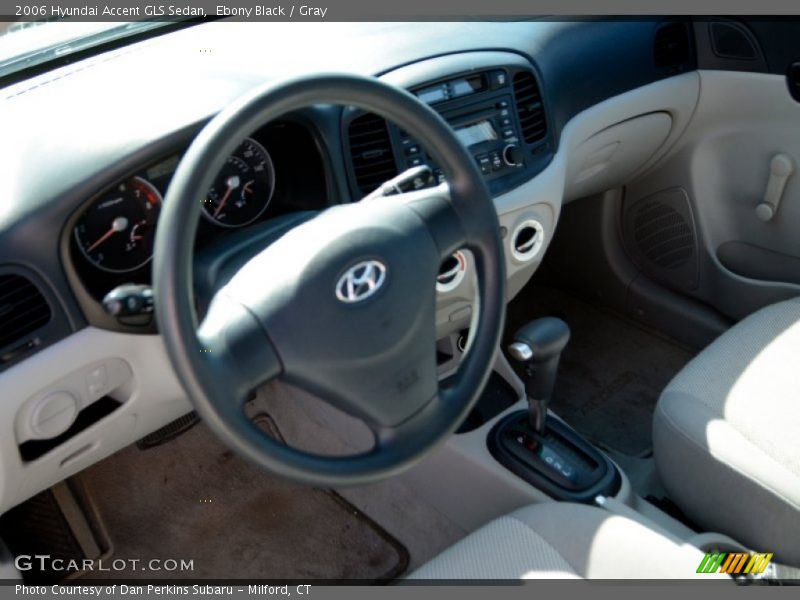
[343, 305]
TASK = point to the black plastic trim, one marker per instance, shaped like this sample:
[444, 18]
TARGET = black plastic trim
[710, 54]
[603, 480]
[57, 327]
[793, 80]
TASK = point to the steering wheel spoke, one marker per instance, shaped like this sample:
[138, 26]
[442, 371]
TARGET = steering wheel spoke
[235, 349]
[434, 206]
[443, 410]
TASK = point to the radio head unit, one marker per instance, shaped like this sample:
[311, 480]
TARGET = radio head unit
[498, 114]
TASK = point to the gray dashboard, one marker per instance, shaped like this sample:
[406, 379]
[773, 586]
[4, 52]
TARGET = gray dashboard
[71, 132]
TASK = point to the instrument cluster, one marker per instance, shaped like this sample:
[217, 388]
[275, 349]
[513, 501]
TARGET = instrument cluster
[277, 170]
[117, 231]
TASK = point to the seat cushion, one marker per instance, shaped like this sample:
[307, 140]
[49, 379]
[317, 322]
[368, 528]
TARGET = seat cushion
[726, 433]
[557, 540]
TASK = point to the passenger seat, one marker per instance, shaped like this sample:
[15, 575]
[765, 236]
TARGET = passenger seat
[726, 433]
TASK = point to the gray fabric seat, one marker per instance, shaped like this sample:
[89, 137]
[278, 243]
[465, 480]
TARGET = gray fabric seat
[726, 433]
[557, 540]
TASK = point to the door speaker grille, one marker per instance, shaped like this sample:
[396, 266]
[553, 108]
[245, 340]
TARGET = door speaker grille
[660, 236]
[663, 235]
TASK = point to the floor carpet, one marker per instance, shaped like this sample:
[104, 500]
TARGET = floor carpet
[194, 499]
[612, 371]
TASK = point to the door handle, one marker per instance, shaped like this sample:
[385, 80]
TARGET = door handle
[780, 168]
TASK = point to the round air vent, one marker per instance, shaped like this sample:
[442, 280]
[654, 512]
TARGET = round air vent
[527, 240]
[462, 341]
[452, 272]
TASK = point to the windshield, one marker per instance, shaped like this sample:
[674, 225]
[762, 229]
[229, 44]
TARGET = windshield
[31, 43]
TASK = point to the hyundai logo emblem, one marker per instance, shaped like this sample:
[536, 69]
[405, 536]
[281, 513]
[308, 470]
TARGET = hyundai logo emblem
[361, 281]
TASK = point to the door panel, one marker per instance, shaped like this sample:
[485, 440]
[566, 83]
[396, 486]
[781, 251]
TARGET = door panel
[747, 239]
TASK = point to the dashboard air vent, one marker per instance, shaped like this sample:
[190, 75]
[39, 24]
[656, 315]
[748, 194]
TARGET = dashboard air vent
[671, 46]
[731, 40]
[529, 107]
[23, 309]
[451, 272]
[527, 240]
[371, 152]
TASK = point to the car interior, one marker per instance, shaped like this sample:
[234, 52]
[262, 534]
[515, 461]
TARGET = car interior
[377, 302]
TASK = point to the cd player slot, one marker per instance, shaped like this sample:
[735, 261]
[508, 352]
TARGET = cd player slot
[465, 120]
[484, 104]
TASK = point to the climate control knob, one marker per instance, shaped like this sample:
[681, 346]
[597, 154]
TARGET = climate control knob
[512, 156]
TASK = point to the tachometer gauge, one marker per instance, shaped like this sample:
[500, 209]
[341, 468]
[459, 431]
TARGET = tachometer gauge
[243, 189]
[117, 232]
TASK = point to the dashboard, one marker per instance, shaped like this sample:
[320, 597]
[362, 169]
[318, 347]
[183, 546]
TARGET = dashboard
[493, 102]
[537, 103]
[101, 136]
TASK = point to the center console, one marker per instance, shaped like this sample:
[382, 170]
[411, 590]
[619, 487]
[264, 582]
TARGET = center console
[497, 110]
[536, 446]
[558, 461]
[479, 106]
[498, 113]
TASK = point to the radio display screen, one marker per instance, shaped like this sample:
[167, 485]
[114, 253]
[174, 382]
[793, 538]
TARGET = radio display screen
[462, 87]
[477, 133]
[452, 89]
[433, 94]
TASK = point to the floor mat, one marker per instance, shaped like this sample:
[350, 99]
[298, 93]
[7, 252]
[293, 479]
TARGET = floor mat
[194, 499]
[612, 371]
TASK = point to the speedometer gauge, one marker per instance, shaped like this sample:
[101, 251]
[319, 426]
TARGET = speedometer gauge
[117, 232]
[243, 188]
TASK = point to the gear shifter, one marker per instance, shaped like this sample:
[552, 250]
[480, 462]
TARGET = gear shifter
[538, 346]
[547, 452]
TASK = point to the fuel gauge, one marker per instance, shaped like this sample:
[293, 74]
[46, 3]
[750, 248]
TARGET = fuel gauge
[243, 189]
[116, 233]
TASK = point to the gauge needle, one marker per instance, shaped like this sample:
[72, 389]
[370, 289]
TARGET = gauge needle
[135, 229]
[117, 225]
[232, 182]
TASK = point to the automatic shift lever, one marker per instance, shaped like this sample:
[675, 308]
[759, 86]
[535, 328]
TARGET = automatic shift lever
[549, 454]
[538, 346]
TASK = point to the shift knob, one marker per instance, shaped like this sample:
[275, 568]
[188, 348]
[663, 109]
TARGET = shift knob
[544, 338]
[538, 346]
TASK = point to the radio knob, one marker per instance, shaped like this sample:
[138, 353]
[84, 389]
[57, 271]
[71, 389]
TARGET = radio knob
[512, 156]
